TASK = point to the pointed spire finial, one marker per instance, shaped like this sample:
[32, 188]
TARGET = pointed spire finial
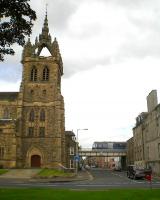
[46, 8]
[45, 29]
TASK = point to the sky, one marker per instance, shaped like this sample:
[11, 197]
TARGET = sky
[111, 56]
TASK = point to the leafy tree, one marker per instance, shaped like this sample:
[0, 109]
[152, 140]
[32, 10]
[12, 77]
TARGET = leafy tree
[16, 17]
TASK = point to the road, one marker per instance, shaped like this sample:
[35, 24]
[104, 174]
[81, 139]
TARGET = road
[102, 179]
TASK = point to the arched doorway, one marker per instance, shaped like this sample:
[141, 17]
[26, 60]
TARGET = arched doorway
[35, 161]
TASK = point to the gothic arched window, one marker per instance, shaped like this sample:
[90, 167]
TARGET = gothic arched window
[41, 131]
[6, 114]
[45, 74]
[42, 115]
[34, 74]
[31, 116]
[30, 131]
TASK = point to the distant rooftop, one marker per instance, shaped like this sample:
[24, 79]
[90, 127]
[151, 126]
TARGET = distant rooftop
[106, 142]
[70, 133]
[10, 96]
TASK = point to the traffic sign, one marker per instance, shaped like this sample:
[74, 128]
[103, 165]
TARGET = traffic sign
[77, 158]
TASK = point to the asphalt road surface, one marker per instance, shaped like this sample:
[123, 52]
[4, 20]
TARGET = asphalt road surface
[102, 179]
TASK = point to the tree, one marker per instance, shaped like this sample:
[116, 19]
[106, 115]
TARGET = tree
[16, 21]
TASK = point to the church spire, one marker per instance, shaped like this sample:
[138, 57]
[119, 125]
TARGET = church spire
[45, 36]
[45, 29]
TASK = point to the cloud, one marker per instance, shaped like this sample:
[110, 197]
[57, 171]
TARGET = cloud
[59, 13]
[107, 100]
[6, 86]
[99, 32]
[110, 51]
[10, 72]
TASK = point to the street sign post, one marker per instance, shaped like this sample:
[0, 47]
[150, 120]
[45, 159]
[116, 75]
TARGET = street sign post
[77, 158]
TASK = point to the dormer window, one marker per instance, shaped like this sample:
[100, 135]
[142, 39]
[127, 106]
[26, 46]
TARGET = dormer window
[45, 74]
[34, 74]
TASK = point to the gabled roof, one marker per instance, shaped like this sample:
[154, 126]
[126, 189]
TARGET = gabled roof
[10, 96]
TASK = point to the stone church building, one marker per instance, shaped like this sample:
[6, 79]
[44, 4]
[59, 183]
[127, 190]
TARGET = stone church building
[32, 130]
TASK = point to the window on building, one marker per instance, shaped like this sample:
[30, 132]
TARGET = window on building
[71, 150]
[41, 131]
[31, 131]
[6, 114]
[45, 74]
[1, 152]
[31, 116]
[32, 92]
[71, 164]
[34, 74]
[159, 150]
[73, 138]
[1, 130]
[44, 92]
[148, 153]
[42, 115]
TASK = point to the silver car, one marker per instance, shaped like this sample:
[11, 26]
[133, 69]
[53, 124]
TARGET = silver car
[135, 173]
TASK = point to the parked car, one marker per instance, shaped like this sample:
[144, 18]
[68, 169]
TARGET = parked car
[135, 173]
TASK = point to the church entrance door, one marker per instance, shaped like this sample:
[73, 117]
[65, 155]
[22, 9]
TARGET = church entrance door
[35, 161]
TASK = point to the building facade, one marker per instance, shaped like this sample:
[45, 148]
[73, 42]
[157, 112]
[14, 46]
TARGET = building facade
[32, 130]
[130, 151]
[71, 146]
[146, 135]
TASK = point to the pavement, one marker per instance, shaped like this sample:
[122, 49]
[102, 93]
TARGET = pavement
[28, 175]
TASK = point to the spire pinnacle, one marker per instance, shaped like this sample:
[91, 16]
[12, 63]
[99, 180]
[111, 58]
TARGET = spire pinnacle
[45, 25]
[46, 8]
[45, 30]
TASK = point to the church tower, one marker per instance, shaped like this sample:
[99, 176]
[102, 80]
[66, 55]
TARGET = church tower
[40, 129]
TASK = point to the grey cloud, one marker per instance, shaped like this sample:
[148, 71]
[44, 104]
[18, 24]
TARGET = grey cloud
[10, 72]
[72, 66]
[59, 12]
[11, 68]
[140, 49]
[146, 42]
[87, 32]
[130, 4]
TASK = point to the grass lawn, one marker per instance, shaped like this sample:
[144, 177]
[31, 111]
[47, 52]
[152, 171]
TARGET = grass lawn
[3, 171]
[49, 173]
[52, 194]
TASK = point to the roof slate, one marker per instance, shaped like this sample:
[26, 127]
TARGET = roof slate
[10, 96]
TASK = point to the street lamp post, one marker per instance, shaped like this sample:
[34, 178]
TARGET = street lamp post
[77, 151]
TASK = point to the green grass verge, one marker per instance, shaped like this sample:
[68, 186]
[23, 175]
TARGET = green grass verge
[49, 173]
[51, 194]
[3, 171]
